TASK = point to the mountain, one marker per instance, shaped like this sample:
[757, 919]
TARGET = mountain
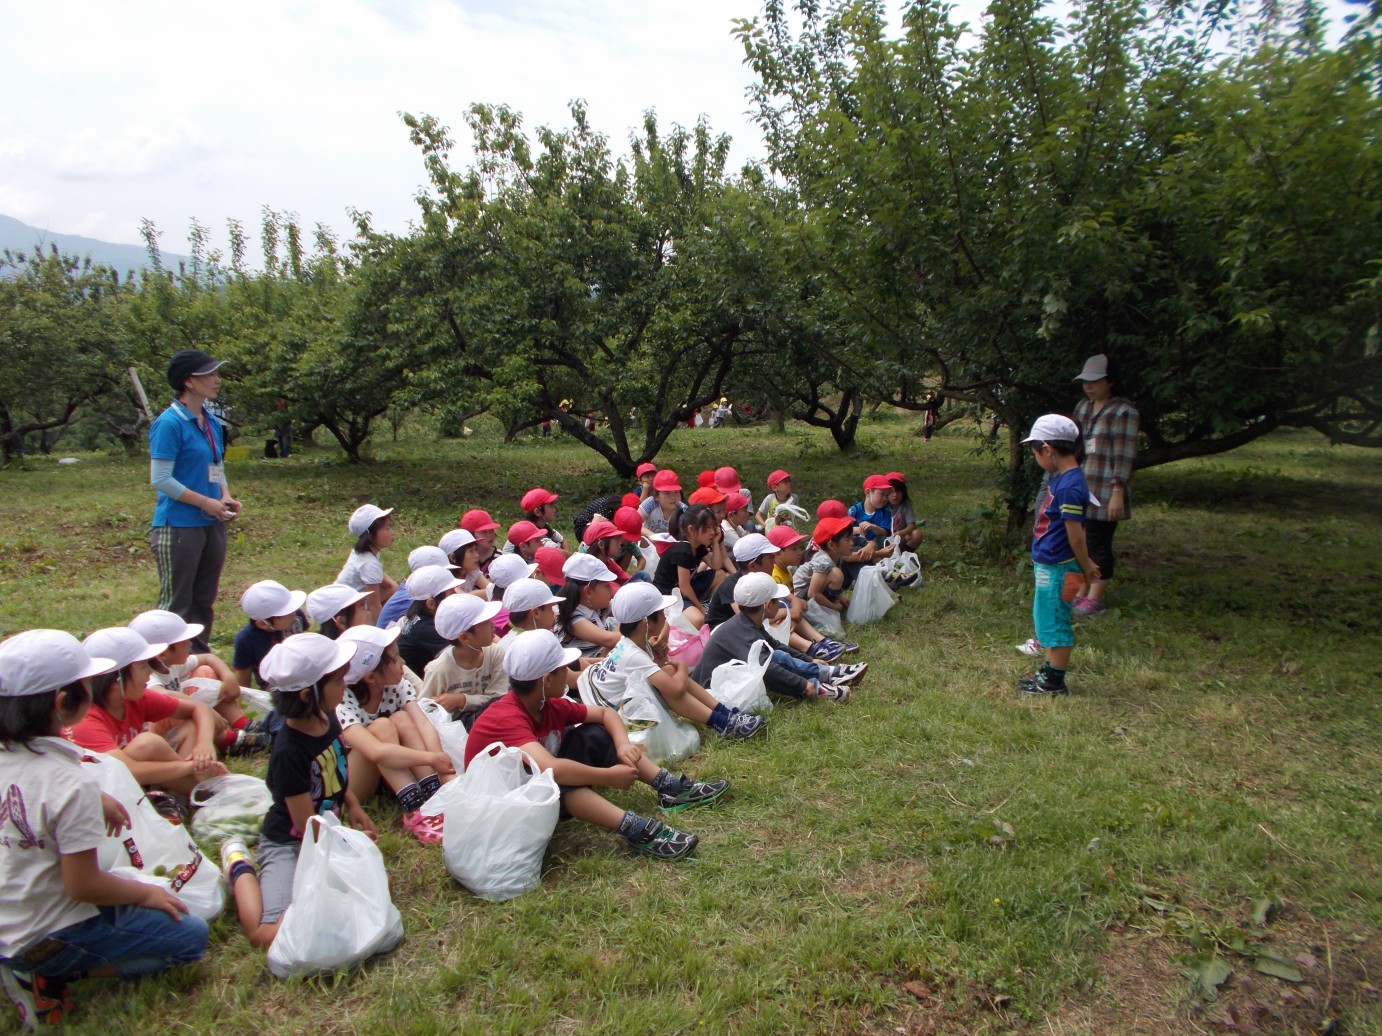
[20, 237]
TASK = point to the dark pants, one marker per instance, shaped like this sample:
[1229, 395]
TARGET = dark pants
[1099, 540]
[189, 572]
[588, 744]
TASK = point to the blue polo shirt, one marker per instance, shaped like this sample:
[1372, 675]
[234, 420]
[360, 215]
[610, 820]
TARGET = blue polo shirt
[176, 436]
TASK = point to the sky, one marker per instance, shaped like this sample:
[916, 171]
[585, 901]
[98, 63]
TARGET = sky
[177, 110]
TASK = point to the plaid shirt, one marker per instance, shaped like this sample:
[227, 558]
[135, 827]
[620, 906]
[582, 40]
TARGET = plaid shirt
[1110, 442]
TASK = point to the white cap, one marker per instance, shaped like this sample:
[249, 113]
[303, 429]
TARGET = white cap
[326, 602]
[160, 627]
[268, 599]
[122, 645]
[639, 600]
[426, 555]
[535, 653]
[752, 546]
[1053, 428]
[454, 539]
[1095, 369]
[431, 580]
[37, 661]
[507, 568]
[370, 644]
[524, 595]
[462, 612]
[756, 589]
[303, 659]
[586, 568]
[363, 517]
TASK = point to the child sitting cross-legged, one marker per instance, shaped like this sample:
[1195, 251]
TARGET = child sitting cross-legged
[274, 612]
[641, 653]
[470, 672]
[388, 736]
[64, 918]
[583, 618]
[585, 747]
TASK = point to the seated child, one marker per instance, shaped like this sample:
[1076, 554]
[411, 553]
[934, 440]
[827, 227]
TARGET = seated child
[819, 580]
[506, 569]
[583, 618]
[727, 481]
[641, 654]
[531, 606]
[469, 672]
[606, 541]
[659, 509]
[629, 521]
[274, 612]
[602, 506]
[540, 507]
[373, 531]
[584, 747]
[736, 520]
[904, 518]
[873, 524]
[337, 607]
[779, 492]
[122, 704]
[397, 605]
[65, 918]
[788, 558]
[387, 735]
[525, 539]
[421, 643]
[463, 554]
[789, 673]
[695, 565]
[550, 562]
[307, 777]
[643, 489]
[480, 525]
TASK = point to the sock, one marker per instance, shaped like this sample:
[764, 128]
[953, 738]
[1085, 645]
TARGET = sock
[430, 785]
[719, 718]
[410, 798]
[633, 826]
[1051, 676]
[227, 737]
[669, 783]
[241, 723]
[239, 864]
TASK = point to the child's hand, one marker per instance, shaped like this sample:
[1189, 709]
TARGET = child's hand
[630, 754]
[156, 898]
[115, 815]
[230, 691]
[441, 762]
[620, 777]
[1092, 573]
[360, 820]
[204, 757]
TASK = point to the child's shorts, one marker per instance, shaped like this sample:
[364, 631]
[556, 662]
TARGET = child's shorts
[1050, 614]
[590, 745]
[277, 862]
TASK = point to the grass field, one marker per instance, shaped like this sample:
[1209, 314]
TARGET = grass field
[937, 856]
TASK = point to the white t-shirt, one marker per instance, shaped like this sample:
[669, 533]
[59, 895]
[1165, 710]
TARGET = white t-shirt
[172, 680]
[488, 681]
[602, 619]
[731, 535]
[395, 697]
[52, 808]
[362, 570]
[608, 680]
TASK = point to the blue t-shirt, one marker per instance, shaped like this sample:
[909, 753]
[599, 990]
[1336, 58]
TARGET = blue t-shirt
[176, 436]
[1066, 500]
[883, 518]
[395, 606]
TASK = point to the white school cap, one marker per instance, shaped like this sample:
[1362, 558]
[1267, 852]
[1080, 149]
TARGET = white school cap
[122, 645]
[161, 627]
[535, 653]
[506, 568]
[419, 557]
[1053, 428]
[752, 546]
[326, 602]
[586, 568]
[524, 595]
[364, 516]
[454, 539]
[268, 599]
[370, 644]
[457, 614]
[431, 580]
[302, 659]
[37, 661]
[637, 601]
[757, 589]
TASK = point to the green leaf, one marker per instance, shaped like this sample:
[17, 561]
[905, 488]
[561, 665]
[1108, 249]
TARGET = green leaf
[1208, 973]
[1261, 909]
[1278, 969]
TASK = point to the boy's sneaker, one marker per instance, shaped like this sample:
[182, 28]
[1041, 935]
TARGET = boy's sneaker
[833, 692]
[693, 793]
[846, 647]
[248, 741]
[1089, 607]
[848, 674]
[663, 842]
[1037, 687]
[743, 725]
[39, 1000]
[825, 651]
[1032, 647]
[233, 852]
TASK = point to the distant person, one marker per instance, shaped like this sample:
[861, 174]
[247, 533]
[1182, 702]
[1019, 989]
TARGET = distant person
[283, 434]
[187, 467]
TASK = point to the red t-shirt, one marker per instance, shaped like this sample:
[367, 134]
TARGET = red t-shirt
[99, 731]
[509, 723]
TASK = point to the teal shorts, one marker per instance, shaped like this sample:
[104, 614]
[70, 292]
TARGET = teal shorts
[1051, 615]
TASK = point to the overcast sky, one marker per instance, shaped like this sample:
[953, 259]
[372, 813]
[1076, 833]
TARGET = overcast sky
[171, 110]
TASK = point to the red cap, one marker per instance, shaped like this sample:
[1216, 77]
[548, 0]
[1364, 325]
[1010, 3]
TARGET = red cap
[665, 481]
[630, 500]
[736, 501]
[522, 532]
[477, 521]
[535, 498]
[832, 509]
[600, 529]
[784, 536]
[828, 528]
[896, 476]
[646, 468]
[549, 561]
[707, 495]
[777, 476]
[705, 478]
[727, 479]
[877, 482]
[629, 521]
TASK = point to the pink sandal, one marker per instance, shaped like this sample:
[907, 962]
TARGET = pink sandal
[427, 830]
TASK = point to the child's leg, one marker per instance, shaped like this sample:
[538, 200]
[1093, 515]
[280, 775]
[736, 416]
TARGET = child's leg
[693, 613]
[912, 540]
[261, 898]
[150, 748]
[396, 778]
[124, 942]
[677, 691]
[410, 737]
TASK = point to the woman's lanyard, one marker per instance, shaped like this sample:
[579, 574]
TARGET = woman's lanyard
[210, 438]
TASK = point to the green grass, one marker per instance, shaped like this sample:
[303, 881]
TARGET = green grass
[936, 856]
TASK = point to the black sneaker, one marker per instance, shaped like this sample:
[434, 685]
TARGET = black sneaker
[742, 725]
[693, 793]
[848, 674]
[247, 742]
[663, 842]
[1036, 687]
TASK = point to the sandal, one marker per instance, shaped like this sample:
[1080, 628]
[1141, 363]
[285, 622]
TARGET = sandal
[427, 830]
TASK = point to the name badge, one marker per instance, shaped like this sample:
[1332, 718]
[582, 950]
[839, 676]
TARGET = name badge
[216, 474]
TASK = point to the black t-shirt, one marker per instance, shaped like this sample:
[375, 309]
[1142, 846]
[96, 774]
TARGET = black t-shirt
[722, 601]
[679, 555]
[420, 642]
[301, 765]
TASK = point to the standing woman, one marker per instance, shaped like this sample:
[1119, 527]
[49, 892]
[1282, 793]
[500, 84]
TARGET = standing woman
[1109, 424]
[187, 467]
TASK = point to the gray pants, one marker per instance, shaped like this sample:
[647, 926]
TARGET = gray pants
[189, 572]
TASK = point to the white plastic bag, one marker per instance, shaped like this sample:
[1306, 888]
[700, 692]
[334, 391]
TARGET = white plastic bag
[256, 703]
[202, 689]
[781, 630]
[152, 850]
[341, 913]
[825, 620]
[450, 732]
[669, 740]
[650, 556]
[230, 806]
[871, 598]
[739, 684]
[498, 823]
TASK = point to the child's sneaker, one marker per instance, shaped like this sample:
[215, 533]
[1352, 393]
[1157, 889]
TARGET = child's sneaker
[427, 830]
[39, 1000]
[693, 793]
[848, 674]
[743, 725]
[233, 853]
[248, 741]
[663, 842]
[825, 651]
[1037, 687]
[1031, 646]
[837, 692]
[1088, 607]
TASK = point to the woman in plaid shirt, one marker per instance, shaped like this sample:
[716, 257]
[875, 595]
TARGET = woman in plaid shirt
[1109, 424]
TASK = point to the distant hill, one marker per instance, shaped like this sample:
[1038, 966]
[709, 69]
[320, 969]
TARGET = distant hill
[20, 237]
